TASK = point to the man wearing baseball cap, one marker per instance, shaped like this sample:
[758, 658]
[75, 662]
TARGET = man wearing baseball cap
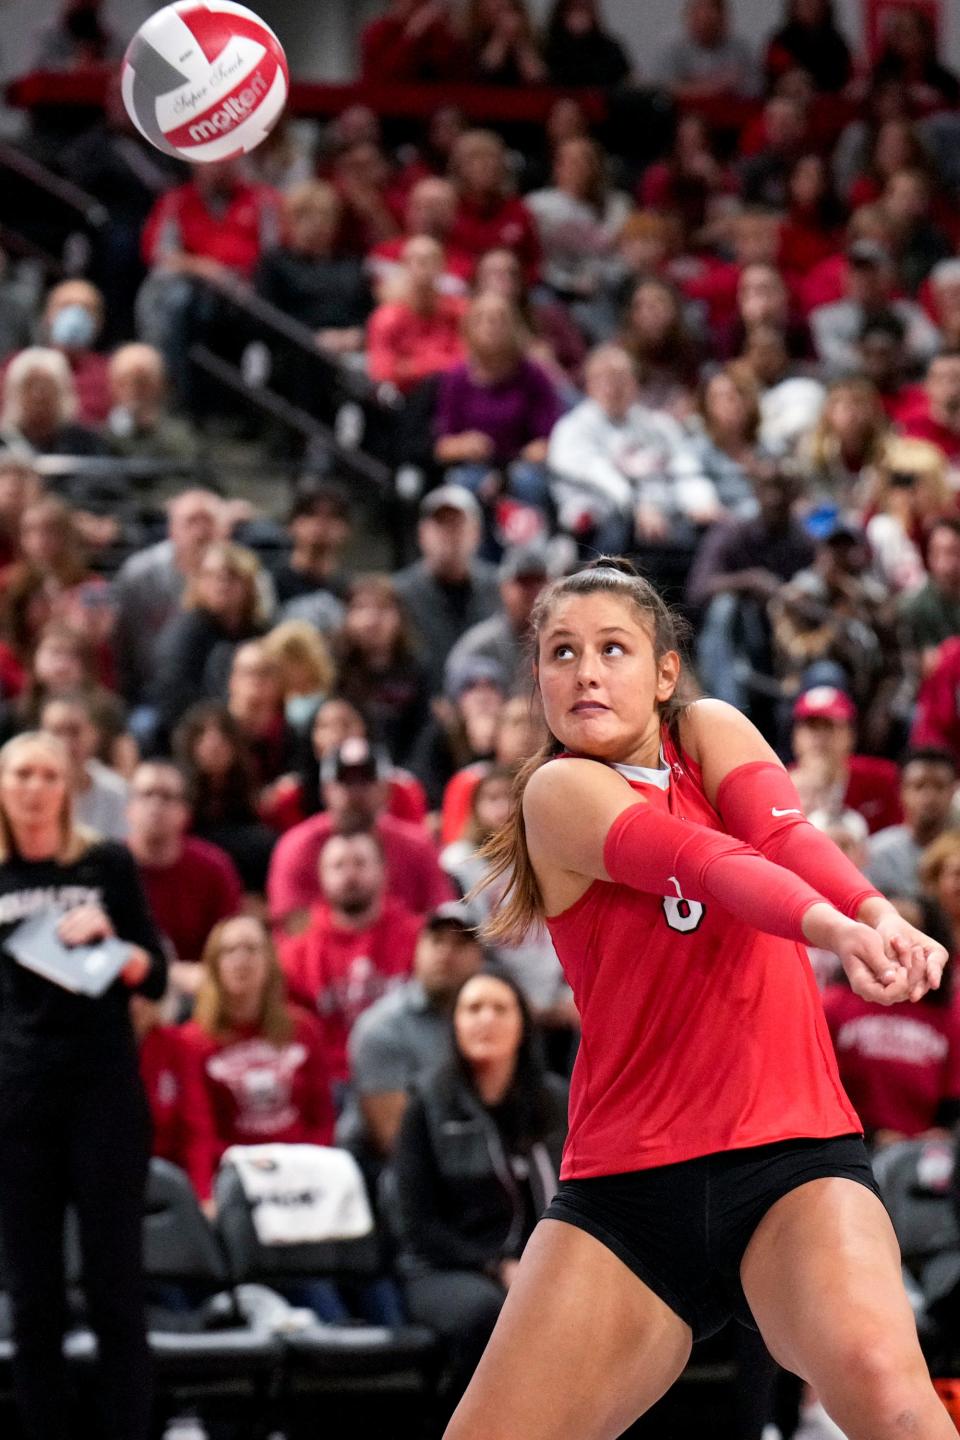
[827, 773]
[448, 589]
[406, 1033]
[355, 792]
[523, 572]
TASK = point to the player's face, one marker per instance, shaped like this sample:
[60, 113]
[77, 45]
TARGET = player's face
[600, 680]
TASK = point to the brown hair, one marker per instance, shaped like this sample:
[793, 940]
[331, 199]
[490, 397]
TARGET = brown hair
[506, 851]
[210, 1013]
[742, 379]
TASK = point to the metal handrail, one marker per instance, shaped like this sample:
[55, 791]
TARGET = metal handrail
[375, 472]
[86, 206]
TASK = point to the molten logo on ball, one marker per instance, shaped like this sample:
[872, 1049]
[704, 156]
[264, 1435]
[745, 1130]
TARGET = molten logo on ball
[205, 80]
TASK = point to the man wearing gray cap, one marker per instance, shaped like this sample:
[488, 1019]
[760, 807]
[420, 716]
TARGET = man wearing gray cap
[449, 589]
[406, 1033]
[869, 288]
[523, 572]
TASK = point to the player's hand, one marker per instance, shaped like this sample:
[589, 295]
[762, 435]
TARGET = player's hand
[872, 974]
[922, 957]
[85, 925]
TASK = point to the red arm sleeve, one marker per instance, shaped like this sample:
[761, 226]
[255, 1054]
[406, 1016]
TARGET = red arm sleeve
[759, 804]
[651, 850]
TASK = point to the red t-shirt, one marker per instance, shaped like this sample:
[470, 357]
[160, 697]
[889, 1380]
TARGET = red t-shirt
[161, 1069]
[936, 720]
[413, 870]
[236, 235]
[191, 896]
[249, 1091]
[699, 1033]
[897, 1062]
[503, 224]
[337, 973]
[404, 347]
[873, 790]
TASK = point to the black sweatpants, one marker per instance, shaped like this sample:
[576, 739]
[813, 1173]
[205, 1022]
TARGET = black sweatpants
[82, 1141]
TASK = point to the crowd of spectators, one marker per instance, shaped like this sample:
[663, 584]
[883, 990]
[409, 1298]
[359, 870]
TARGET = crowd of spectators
[738, 361]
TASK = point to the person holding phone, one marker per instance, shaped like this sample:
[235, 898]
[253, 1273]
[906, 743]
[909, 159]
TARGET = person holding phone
[74, 1126]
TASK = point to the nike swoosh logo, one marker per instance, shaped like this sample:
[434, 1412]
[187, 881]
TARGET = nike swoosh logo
[778, 813]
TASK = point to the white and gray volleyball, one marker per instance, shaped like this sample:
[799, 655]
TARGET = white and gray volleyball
[205, 80]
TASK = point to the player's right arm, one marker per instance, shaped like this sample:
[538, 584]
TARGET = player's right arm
[582, 819]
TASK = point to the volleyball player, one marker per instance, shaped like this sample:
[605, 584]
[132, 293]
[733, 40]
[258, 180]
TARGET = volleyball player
[714, 1167]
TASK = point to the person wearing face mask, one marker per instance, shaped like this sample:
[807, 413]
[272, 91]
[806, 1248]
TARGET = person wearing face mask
[475, 1165]
[72, 320]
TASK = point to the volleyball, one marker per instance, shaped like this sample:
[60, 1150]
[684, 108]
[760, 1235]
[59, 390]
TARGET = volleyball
[205, 80]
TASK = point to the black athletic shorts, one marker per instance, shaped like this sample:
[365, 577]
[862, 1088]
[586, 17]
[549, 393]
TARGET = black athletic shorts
[683, 1228]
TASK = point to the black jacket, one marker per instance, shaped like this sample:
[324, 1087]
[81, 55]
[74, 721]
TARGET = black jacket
[456, 1203]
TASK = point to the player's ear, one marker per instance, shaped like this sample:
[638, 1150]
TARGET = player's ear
[668, 674]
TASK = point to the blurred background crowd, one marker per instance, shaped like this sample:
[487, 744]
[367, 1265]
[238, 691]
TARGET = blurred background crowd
[290, 446]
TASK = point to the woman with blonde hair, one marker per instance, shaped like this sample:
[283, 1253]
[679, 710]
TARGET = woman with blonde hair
[73, 1116]
[308, 674]
[848, 439]
[222, 606]
[243, 1027]
[908, 494]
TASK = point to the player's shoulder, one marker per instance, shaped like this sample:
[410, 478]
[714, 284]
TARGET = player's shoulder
[705, 724]
[563, 781]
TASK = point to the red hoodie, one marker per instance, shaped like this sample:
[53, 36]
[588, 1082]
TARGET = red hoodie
[338, 973]
[246, 1090]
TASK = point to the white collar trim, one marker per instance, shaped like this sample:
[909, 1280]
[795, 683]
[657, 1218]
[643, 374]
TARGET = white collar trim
[648, 774]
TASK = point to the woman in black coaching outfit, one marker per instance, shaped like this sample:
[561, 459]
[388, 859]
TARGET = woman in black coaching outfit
[73, 1118]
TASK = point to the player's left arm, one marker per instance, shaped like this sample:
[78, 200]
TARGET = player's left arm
[758, 802]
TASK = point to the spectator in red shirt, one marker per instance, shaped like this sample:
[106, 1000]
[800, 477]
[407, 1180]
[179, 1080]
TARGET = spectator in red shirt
[936, 720]
[359, 941]
[414, 41]
[489, 216]
[829, 776]
[811, 229]
[941, 423]
[196, 238]
[355, 792]
[430, 209]
[255, 1071]
[215, 225]
[419, 334]
[900, 1064]
[190, 884]
[689, 177]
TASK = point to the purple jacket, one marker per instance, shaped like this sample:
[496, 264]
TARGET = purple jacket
[521, 408]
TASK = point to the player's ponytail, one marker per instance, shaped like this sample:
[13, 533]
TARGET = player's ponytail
[506, 851]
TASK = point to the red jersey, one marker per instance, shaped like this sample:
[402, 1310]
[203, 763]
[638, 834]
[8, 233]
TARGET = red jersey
[924, 427]
[502, 223]
[338, 973]
[897, 1062]
[249, 1091]
[699, 1033]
